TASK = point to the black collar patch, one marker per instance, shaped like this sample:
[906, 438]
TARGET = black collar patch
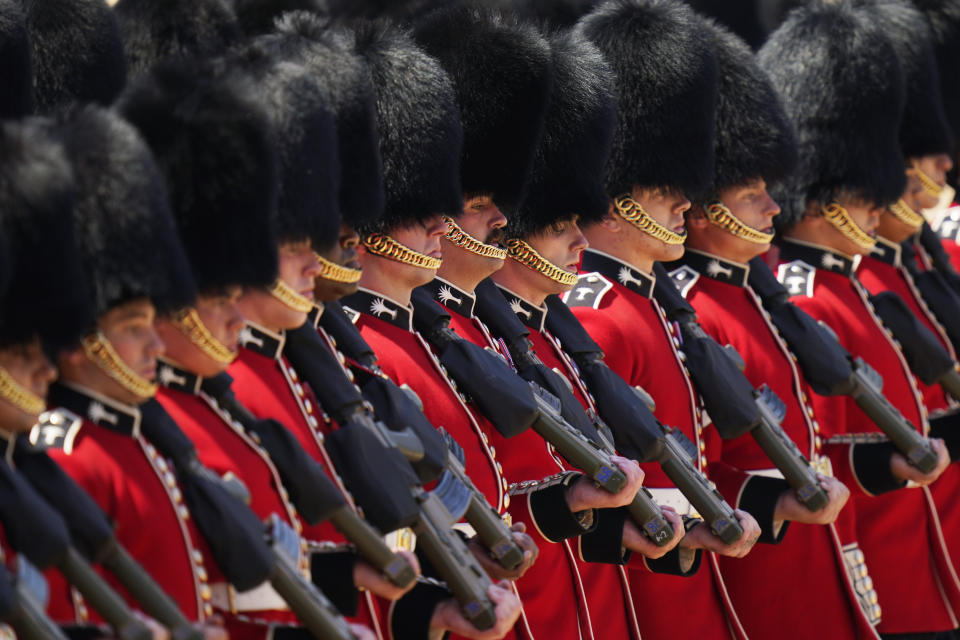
[451, 297]
[173, 377]
[98, 409]
[261, 340]
[531, 315]
[381, 307]
[714, 267]
[618, 271]
[886, 251]
[818, 257]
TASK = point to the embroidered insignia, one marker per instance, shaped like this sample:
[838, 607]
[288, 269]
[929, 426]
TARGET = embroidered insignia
[714, 269]
[517, 307]
[446, 296]
[589, 291]
[797, 277]
[684, 278]
[380, 307]
[168, 376]
[98, 413]
[56, 429]
[830, 261]
[247, 337]
[948, 227]
[626, 277]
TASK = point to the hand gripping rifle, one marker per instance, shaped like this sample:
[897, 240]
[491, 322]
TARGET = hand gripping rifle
[935, 285]
[637, 433]
[559, 418]
[735, 407]
[831, 370]
[21, 606]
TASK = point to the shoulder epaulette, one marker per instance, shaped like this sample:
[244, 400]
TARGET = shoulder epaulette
[56, 429]
[797, 277]
[948, 226]
[684, 278]
[352, 314]
[589, 291]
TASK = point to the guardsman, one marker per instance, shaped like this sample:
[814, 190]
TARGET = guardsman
[850, 168]
[730, 223]
[561, 593]
[662, 150]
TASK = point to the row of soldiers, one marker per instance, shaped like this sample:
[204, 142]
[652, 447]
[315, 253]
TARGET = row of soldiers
[459, 322]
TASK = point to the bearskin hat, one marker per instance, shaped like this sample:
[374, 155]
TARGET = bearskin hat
[573, 151]
[944, 20]
[841, 85]
[666, 81]
[16, 69]
[307, 39]
[420, 135]
[257, 17]
[155, 31]
[755, 138]
[501, 75]
[213, 143]
[78, 53]
[123, 222]
[557, 14]
[47, 295]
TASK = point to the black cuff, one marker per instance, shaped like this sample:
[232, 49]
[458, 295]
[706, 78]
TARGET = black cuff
[605, 543]
[552, 516]
[410, 615]
[672, 564]
[332, 573]
[947, 428]
[871, 465]
[85, 631]
[759, 498]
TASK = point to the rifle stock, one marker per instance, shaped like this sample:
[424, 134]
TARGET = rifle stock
[30, 621]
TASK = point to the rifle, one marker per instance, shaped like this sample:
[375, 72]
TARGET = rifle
[831, 370]
[560, 418]
[637, 433]
[22, 608]
[738, 408]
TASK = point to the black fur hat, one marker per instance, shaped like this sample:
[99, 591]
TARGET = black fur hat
[78, 53]
[555, 13]
[307, 39]
[213, 143]
[501, 74]
[573, 151]
[16, 68]
[755, 138]
[841, 85]
[257, 17]
[47, 295]
[122, 217]
[420, 135]
[154, 31]
[666, 81]
[943, 18]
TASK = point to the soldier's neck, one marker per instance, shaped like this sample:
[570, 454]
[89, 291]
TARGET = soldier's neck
[384, 283]
[522, 281]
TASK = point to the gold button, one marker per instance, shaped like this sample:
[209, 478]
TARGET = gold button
[207, 610]
[176, 495]
[308, 407]
[817, 442]
[506, 502]
[499, 468]
[162, 465]
[703, 461]
[206, 593]
[197, 556]
[183, 512]
[170, 480]
[493, 452]
[201, 574]
[703, 446]
[292, 372]
[312, 421]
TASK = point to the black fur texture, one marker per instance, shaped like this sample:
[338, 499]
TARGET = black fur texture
[666, 84]
[841, 85]
[16, 67]
[943, 18]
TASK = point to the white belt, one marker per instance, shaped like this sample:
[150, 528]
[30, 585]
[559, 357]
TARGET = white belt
[675, 499]
[263, 598]
[766, 473]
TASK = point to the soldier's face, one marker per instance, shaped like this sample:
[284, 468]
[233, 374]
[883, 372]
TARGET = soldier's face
[482, 219]
[864, 214]
[28, 366]
[889, 226]
[936, 167]
[130, 329]
[422, 237]
[344, 253]
[221, 315]
[752, 205]
[562, 243]
[667, 207]
[297, 268]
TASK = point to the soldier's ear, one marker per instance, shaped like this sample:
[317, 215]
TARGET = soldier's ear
[612, 220]
[696, 218]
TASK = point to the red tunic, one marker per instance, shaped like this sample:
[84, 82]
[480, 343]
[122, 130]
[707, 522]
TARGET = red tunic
[894, 528]
[613, 301]
[947, 226]
[730, 312]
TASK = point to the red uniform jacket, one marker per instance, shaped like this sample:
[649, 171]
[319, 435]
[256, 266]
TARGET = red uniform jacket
[947, 226]
[893, 527]
[729, 311]
[614, 302]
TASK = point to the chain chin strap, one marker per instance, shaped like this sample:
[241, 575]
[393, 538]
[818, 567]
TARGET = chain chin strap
[905, 214]
[929, 184]
[840, 218]
[337, 273]
[285, 294]
[720, 215]
[189, 323]
[528, 257]
[631, 211]
[464, 240]
[383, 245]
[19, 396]
[101, 353]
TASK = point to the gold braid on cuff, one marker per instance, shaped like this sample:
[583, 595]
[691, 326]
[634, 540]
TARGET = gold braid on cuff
[929, 184]
[528, 257]
[101, 353]
[385, 246]
[464, 240]
[631, 211]
[337, 273]
[905, 214]
[189, 323]
[19, 396]
[720, 215]
[285, 294]
[840, 218]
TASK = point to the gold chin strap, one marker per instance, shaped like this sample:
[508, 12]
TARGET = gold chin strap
[464, 240]
[189, 323]
[337, 273]
[101, 353]
[528, 257]
[19, 396]
[721, 216]
[840, 218]
[905, 214]
[383, 245]
[285, 294]
[631, 211]
[929, 184]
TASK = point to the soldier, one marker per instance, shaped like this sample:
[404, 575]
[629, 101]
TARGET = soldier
[730, 223]
[850, 168]
[661, 150]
